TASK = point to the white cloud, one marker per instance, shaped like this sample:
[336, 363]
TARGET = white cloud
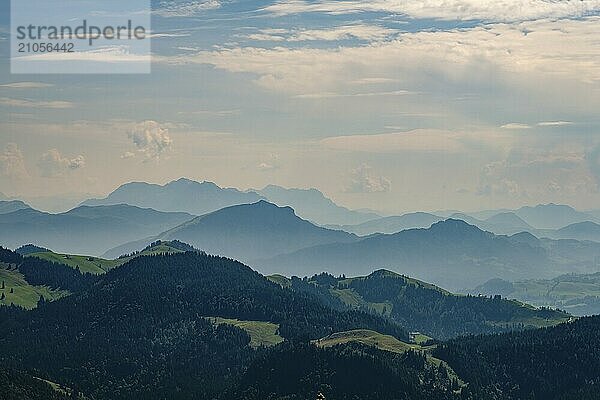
[127, 155]
[53, 164]
[369, 33]
[26, 85]
[515, 126]
[173, 8]
[23, 103]
[494, 182]
[554, 123]
[363, 180]
[12, 162]
[151, 139]
[534, 170]
[339, 95]
[502, 10]
[544, 50]
[420, 140]
[167, 35]
[211, 113]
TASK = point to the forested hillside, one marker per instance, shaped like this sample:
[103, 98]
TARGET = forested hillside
[142, 326]
[191, 325]
[422, 307]
[562, 362]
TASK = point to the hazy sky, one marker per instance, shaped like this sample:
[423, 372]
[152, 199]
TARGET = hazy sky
[393, 105]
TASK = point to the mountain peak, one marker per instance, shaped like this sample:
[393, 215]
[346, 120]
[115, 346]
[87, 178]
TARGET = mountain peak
[183, 194]
[554, 205]
[451, 223]
[261, 207]
[190, 183]
[384, 273]
[184, 181]
[253, 231]
[551, 216]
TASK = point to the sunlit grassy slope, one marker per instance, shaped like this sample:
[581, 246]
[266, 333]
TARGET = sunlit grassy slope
[23, 294]
[261, 333]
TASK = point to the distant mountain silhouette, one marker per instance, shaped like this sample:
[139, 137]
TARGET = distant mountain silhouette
[84, 230]
[580, 231]
[451, 254]
[509, 220]
[7, 207]
[182, 195]
[393, 224]
[247, 232]
[500, 224]
[552, 216]
[525, 237]
[312, 205]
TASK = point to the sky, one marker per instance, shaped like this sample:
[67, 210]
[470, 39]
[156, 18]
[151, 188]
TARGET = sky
[390, 105]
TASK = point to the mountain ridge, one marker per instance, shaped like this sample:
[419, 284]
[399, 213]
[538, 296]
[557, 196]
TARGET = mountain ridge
[247, 232]
[182, 195]
[452, 254]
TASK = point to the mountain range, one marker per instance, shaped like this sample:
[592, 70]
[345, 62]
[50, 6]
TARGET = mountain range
[392, 224]
[182, 195]
[451, 253]
[9, 206]
[247, 232]
[543, 221]
[312, 205]
[201, 198]
[581, 231]
[84, 230]
[190, 325]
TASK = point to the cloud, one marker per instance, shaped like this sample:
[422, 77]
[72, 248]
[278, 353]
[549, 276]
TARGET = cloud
[340, 95]
[26, 85]
[544, 124]
[211, 113]
[167, 35]
[364, 181]
[515, 126]
[53, 164]
[534, 171]
[127, 155]
[55, 105]
[419, 140]
[525, 54]
[502, 10]
[12, 162]
[554, 123]
[171, 8]
[151, 139]
[494, 182]
[369, 33]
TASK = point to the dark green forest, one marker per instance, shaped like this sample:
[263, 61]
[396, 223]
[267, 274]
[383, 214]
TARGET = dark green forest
[422, 307]
[561, 362]
[141, 331]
